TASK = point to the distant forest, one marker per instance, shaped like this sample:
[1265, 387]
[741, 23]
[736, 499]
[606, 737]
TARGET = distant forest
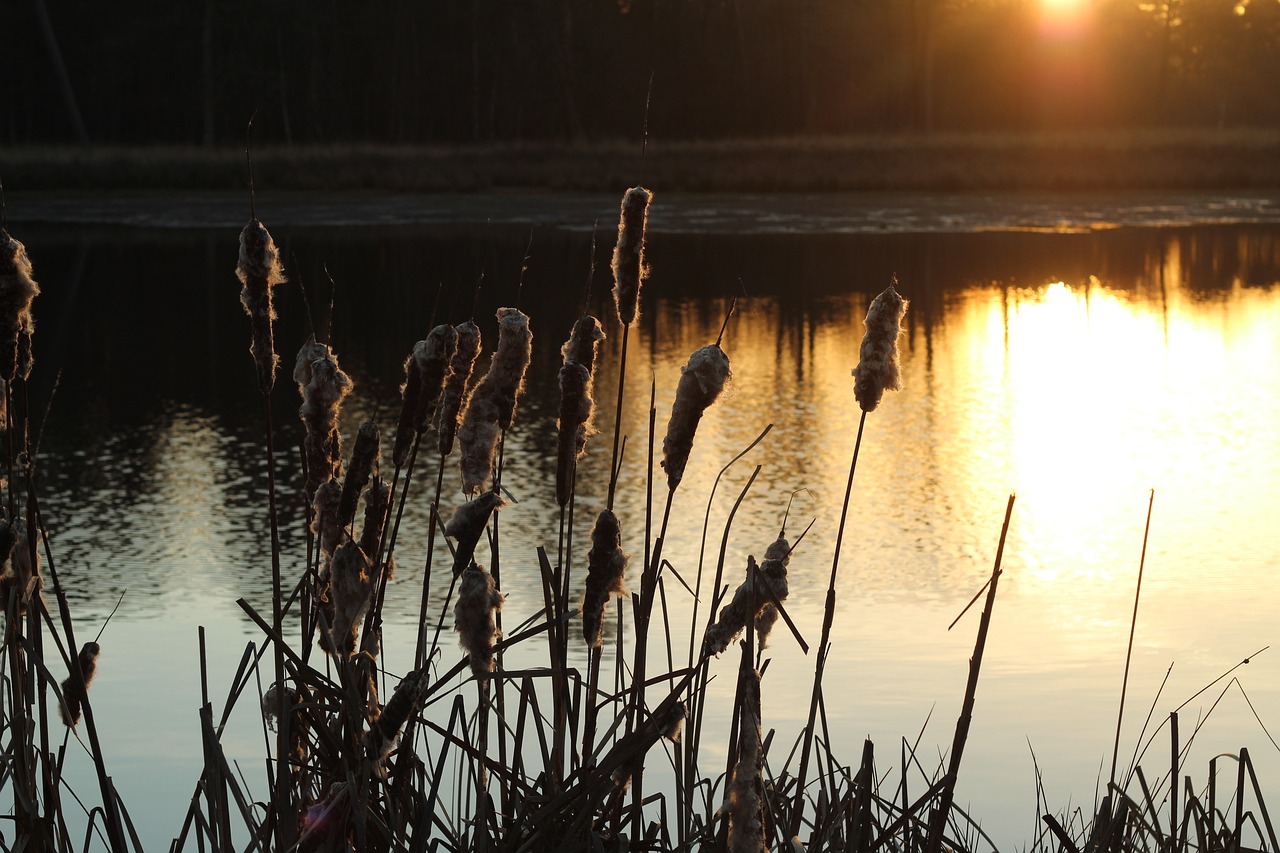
[459, 71]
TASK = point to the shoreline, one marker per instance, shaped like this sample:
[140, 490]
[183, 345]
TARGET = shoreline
[1084, 161]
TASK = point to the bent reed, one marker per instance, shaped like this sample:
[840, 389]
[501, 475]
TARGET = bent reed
[440, 766]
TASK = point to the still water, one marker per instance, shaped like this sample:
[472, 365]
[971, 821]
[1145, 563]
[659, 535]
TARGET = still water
[1078, 352]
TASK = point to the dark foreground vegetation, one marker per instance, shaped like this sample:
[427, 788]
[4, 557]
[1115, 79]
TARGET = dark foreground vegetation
[461, 751]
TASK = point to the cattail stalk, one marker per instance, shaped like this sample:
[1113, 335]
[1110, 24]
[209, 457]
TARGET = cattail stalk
[491, 408]
[880, 346]
[746, 826]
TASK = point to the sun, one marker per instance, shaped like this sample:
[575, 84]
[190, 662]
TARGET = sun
[1065, 19]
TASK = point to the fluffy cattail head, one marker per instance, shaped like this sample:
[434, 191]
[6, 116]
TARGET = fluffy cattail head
[629, 267]
[75, 694]
[325, 388]
[364, 461]
[877, 368]
[474, 617]
[577, 404]
[324, 517]
[19, 569]
[773, 571]
[746, 824]
[17, 290]
[405, 702]
[701, 381]
[424, 374]
[455, 383]
[491, 409]
[259, 270]
[467, 526]
[377, 501]
[352, 580]
[606, 575]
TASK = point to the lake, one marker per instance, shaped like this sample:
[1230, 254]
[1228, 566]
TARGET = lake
[1078, 351]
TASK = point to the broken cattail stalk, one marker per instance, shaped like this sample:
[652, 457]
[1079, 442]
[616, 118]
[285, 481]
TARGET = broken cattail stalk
[259, 270]
[606, 575]
[701, 381]
[491, 409]
[877, 368]
[425, 372]
[324, 386]
[629, 267]
[461, 364]
[76, 693]
[467, 526]
[475, 617]
[17, 291]
[577, 403]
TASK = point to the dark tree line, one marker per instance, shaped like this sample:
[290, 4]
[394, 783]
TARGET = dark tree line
[449, 71]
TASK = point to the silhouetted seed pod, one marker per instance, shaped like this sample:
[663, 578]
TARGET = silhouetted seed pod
[383, 734]
[324, 517]
[455, 383]
[352, 580]
[364, 461]
[377, 500]
[424, 372]
[629, 267]
[19, 572]
[750, 601]
[259, 270]
[774, 572]
[73, 693]
[491, 408]
[17, 290]
[746, 824]
[322, 395]
[467, 526]
[474, 617]
[577, 405]
[606, 575]
[701, 381]
[298, 726]
[878, 357]
[632, 748]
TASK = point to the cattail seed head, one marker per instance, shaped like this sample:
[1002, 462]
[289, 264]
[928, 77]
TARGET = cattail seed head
[491, 409]
[17, 291]
[19, 570]
[383, 735]
[474, 617]
[746, 825]
[322, 395]
[353, 578]
[467, 526]
[298, 725]
[461, 365]
[701, 381]
[629, 267]
[364, 461]
[324, 517]
[606, 575]
[74, 694]
[377, 501]
[750, 601]
[577, 404]
[877, 368]
[632, 748]
[259, 270]
[774, 572]
[424, 374]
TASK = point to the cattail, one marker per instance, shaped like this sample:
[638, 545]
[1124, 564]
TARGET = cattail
[424, 373]
[606, 575]
[467, 525]
[75, 694]
[352, 580]
[577, 405]
[631, 749]
[324, 517]
[259, 270]
[377, 500]
[878, 358]
[307, 355]
[322, 394]
[629, 267]
[385, 731]
[749, 602]
[20, 571]
[298, 725]
[491, 409]
[746, 828]
[455, 383]
[17, 291]
[774, 572]
[364, 461]
[701, 381]
[474, 617]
